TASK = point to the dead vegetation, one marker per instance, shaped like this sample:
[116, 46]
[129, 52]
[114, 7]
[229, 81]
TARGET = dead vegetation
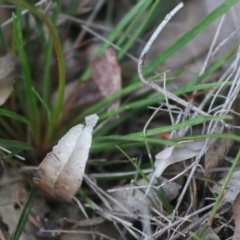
[163, 163]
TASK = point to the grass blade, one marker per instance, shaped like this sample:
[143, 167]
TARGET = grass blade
[24, 216]
[59, 54]
[31, 106]
[219, 11]
[13, 115]
[12, 144]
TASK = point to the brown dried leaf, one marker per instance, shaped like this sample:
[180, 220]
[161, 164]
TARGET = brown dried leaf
[8, 67]
[236, 216]
[106, 74]
[215, 155]
[62, 170]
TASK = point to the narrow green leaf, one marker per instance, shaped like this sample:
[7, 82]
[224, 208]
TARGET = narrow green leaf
[219, 11]
[117, 30]
[140, 139]
[137, 30]
[186, 123]
[24, 216]
[49, 114]
[161, 196]
[31, 108]
[223, 188]
[13, 115]
[59, 54]
[146, 102]
[46, 81]
[12, 144]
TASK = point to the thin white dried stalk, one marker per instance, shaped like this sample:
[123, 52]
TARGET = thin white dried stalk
[174, 224]
[8, 151]
[145, 128]
[102, 193]
[207, 60]
[225, 41]
[81, 207]
[118, 174]
[168, 94]
[104, 213]
[179, 113]
[212, 45]
[141, 64]
[160, 215]
[111, 217]
[232, 69]
[23, 13]
[80, 21]
[98, 36]
[158, 88]
[166, 99]
[212, 93]
[234, 17]
[150, 119]
[195, 165]
[90, 19]
[198, 222]
[228, 103]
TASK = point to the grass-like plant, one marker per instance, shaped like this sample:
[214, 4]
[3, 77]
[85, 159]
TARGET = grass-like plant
[31, 121]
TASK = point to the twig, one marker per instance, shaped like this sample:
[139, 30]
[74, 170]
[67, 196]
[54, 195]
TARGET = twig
[141, 64]
[160, 232]
[89, 21]
[8, 151]
[23, 13]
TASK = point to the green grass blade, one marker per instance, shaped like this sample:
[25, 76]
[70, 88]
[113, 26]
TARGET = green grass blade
[96, 107]
[117, 29]
[145, 102]
[223, 188]
[186, 123]
[132, 25]
[24, 216]
[30, 105]
[137, 32]
[13, 115]
[138, 104]
[137, 139]
[110, 146]
[58, 49]
[46, 81]
[219, 11]
[12, 144]
[141, 139]
[124, 22]
[213, 68]
[162, 196]
[139, 170]
[49, 114]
